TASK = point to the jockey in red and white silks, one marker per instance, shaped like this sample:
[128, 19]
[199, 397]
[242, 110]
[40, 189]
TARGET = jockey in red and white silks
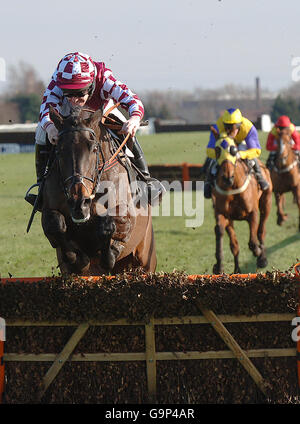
[78, 73]
[80, 81]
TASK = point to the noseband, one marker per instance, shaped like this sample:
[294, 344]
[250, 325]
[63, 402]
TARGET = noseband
[236, 190]
[283, 160]
[78, 178]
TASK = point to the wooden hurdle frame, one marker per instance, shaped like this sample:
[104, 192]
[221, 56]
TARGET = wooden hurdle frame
[151, 356]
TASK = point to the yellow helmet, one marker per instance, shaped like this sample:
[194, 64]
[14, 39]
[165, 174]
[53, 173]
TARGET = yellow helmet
[225, 149]
[232, 116]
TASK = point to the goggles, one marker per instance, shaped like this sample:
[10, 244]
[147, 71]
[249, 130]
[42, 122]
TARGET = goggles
[231, 126]
[78, 93]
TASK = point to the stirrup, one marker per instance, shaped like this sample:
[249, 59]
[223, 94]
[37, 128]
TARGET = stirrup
[155, 191]
[207, 190]
[30, 197]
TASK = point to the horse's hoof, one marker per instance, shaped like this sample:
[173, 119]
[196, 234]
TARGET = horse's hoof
[237, 270]
[282, 218]
[70, 257]
[108, 260]
[261, 262]
[217, 269]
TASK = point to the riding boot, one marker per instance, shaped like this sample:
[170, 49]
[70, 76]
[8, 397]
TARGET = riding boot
[271, 161]
[204, 168]
[41, 158]
[264, 185]
[209, 178]
[155, 189]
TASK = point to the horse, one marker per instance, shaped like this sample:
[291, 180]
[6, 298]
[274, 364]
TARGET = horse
[236, 195]
[285, 175]
[94, 230]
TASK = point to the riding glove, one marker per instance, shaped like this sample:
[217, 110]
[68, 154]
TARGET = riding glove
[131, 126]
[52, 133]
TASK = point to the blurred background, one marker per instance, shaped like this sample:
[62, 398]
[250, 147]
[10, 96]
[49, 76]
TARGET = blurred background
[187, 60]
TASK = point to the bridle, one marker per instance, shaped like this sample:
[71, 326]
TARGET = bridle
[77, 178]
[100, 166]
[283, 160]
[238, 190]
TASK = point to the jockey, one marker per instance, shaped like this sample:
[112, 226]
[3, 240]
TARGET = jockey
[245, 134]
[283, 122]
[79, 81]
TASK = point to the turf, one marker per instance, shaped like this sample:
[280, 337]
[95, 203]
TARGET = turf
[191, 249]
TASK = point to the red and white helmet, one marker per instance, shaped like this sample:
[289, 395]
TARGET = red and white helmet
[75, 71]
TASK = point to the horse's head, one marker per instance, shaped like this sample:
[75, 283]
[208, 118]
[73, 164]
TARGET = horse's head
[284, 147]
[226, 151]
[78, 159]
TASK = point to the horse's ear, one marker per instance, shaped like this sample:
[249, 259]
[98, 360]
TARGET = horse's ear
[94, 118]
[218, 152]
[55, 117]
[215, 132]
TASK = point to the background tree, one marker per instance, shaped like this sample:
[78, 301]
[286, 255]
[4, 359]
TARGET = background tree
[286, 106]
[23, 79]
[29, 106]
[24, 93]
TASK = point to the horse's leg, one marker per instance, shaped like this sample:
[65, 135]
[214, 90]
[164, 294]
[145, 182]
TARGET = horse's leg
[105, 227]
[63, 266]
[55, 228]
[253, 221]
[296, 194]
[265, 204]
[234, 246]
[145, 253]
[221, 224]
[281, 216]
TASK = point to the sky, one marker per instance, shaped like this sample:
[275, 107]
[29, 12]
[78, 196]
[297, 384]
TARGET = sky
[158, 44]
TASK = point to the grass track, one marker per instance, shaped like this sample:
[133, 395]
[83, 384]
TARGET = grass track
[178, 247]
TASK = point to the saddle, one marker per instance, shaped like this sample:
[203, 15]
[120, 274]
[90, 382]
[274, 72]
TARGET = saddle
[125, 157]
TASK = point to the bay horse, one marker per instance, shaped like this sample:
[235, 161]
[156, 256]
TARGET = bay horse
[285, 174]
[236, 195]
[94, 231]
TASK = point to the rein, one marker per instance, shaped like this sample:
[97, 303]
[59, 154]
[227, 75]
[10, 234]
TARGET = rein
[114, 126]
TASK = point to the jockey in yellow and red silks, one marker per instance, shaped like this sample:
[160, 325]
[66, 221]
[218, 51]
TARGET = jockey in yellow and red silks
[242, 131]
[282, 123]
